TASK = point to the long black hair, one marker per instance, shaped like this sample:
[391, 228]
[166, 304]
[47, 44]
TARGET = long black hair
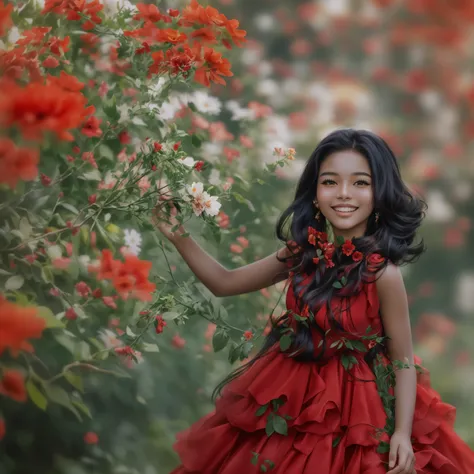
[391, 235]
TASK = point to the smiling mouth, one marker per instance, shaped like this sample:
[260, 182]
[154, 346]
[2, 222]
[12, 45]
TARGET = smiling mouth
[347, 209]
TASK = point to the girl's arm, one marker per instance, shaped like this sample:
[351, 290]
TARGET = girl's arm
[396, 322]
[223, 282]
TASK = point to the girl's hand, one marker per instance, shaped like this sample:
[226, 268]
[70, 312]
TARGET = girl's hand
[165, 221]
[401, 458]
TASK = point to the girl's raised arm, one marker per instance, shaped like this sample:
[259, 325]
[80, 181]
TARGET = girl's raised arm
[223, 282]
[218, 279]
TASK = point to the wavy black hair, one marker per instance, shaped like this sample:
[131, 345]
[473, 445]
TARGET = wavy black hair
[392, 236]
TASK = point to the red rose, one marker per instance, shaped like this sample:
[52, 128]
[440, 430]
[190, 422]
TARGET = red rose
[357, 256]
[374, 260]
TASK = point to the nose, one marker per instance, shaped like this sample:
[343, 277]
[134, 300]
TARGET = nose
[343, 191]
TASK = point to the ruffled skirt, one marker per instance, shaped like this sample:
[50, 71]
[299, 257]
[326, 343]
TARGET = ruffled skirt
[334, 419]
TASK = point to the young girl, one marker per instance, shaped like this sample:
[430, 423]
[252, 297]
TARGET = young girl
[335, 388]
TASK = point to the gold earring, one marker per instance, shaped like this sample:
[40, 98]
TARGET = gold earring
[317, 216]
[377, 215]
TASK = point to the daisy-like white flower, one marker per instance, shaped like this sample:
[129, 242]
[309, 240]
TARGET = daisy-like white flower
[133, 240]
[211, 204]
[189, 161]
[205, 103]
[195, 189]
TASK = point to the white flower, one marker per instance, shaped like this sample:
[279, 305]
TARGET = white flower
[195, 189]
[205, 103]
[133, 240]
[188, 161]
[215, 177]
[211, 205]
[243, 114]
[168, 110]
[109, 339]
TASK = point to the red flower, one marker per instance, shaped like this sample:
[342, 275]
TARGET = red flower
[2, 428]
[211, 67]
[330, 263]
[160, 324]
[178, 341]
[83, 289]
[17, 163]
[5, 18]
[92, 198]
[39, 108]
[198, 166]
[91, 127]
[248, 335]
[348, 247]
[13, 385]
[357, 256]
[374, 261]
[71, 314]
[17, 324]
[91, 438]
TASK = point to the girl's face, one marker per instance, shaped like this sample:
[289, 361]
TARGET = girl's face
[344, 192]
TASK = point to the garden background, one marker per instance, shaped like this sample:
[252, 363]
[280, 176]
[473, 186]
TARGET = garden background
[107, 109]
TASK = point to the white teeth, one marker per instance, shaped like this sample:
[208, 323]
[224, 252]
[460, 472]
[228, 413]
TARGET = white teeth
[345, 209]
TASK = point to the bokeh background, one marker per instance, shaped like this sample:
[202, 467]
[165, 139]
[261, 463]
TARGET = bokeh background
[401, 68]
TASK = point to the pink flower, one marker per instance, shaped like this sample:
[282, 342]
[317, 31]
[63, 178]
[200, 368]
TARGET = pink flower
[178, 341]
[83, 289]
[61, 263]
[91, 438]
[71, 314]
[109, 301]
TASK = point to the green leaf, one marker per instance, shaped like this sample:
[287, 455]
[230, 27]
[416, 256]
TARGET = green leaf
[192, 106]
[150, 347]
[359, 345]
[35, 395]
[263, 468]
[269, 428]
[254, 459]
[60, 396]
[280, 425]
[337, 284]
[47, 274]
[15, 282]
[340, 240]
[261, 411]
[82, 407]
[285, 342]
[219, 339]
[336, 441]
[270, 463]
[75, 381]
[48, 316]
[383, 447]
[69, 207]
[169, 315]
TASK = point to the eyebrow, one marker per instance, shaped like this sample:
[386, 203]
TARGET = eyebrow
[358, 173]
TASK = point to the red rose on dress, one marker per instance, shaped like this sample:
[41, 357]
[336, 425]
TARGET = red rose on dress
[357, 256]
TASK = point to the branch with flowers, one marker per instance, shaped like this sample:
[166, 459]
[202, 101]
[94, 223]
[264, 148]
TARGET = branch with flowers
[97, 128]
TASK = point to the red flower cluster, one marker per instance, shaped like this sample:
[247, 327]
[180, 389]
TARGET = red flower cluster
[325, 249]
[17, 324]
[17, 163]
[130, 278]
[191, 49]
[76, 10]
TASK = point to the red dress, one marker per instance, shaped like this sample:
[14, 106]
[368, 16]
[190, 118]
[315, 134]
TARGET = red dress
[334, 416]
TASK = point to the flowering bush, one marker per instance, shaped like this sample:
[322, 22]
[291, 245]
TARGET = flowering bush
[103, 118]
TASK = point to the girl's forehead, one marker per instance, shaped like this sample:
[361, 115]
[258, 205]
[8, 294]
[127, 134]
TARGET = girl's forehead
[345, 162]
